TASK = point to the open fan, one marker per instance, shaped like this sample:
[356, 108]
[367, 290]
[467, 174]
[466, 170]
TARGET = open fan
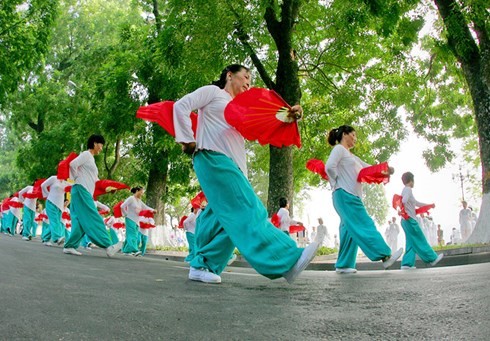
[36, 192]
[262, 115]
[64, 166]
[398, 206]
[198, 200]
[181, 222]
[119, 225]
[424, 209]
[108, 186]
[375, 174]
[146, 219]
[65, 216]
[162, 113]
[318, 167]
[15, 203]
[275, 220]
[296, 228]
[117, 209]
[5, 204]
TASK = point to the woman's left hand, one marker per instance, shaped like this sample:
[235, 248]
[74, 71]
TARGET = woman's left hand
[296, 112]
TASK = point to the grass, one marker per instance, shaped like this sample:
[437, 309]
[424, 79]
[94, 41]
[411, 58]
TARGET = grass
[457, 246]
[322, 251]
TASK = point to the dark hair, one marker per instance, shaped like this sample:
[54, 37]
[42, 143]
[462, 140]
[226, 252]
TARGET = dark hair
[335, 135]
[233, 68]
[283, 202]
[136, 189]
[407, 177]
[192, 209]
[93, 139]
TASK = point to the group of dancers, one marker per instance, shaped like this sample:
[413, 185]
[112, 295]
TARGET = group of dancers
[235, 216]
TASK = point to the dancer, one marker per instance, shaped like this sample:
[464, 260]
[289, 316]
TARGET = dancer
[66, 218]
[190, 228]
[28, 223]
[284, 218]
[14, 215]
[131, 208]
[54, 190]
[84, 216]
[234, 215]
[416, 243]
[357, 229]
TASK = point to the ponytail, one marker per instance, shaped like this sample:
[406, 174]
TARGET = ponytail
[233, 68]
[335, 135]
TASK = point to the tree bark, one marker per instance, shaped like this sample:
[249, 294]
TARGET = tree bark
[475, 63]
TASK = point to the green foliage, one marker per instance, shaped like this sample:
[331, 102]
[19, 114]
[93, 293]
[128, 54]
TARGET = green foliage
[376, 204]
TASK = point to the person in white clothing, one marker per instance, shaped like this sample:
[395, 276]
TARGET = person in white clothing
[54, 190]
[131, 209]
[28, 223]
[190, 228]
[235, 216]
[465, 221]
[284, 218]
[85, 218]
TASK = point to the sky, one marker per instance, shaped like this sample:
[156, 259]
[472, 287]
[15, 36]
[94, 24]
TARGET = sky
[438, 188]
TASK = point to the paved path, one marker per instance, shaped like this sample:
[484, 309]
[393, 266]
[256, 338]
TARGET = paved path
[45, 295]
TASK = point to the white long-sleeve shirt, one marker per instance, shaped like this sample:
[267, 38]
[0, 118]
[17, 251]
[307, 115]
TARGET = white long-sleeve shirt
[132, 207]
[213, 132]
[15, 210]
[28, 202]
[101, 207]
[56, 192]
[410, 202]
[285, 219]
[342, 168]
[190, 222]
[84, 171]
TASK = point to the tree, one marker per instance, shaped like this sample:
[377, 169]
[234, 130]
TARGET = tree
[467, 30]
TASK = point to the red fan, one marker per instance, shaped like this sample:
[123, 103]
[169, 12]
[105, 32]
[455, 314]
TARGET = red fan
[42, 216]
[65, 216]
[5, 204]
[106, 186]
[117, 209]
[318, 167]
[398, 205]
[261, 114]
[64, 166]
[36, 192]
[118, 225]
[424, 209]
[38, 218]
[104, 211]
[163, 114]
[198, 200]
[68, 226]
[147, 214]
[275, 220]
[68, 189]
[15, 203]
[181, 222]
[146, 219]
[296, 228]
[375, 174]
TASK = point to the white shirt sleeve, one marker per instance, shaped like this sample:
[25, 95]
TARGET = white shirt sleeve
[44, 186]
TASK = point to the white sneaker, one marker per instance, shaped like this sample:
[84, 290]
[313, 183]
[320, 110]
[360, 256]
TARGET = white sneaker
[394, 257]
[345, 270]
[136, 254]
[71, 251]
[113, 249]
[232, 259]
[406, 267]
[60, 241]
[439, 257]
[25, 238]
[47, 243]
[203, 275]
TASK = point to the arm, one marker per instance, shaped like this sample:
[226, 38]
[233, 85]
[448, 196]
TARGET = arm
[125, 205]
[146, 207]
[46, 184]
[22, 192]
[182, 110]
[77, 162]
[102, 206]
[332, 164]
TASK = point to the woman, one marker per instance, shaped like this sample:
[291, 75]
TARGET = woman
[85, 219]
[29, 225]
[234, 215]
[131, 208]
[357, 229]
[54, 190]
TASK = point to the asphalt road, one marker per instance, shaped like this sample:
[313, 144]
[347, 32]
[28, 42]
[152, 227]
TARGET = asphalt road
[46, 295]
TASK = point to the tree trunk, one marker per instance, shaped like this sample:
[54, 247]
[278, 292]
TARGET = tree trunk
[157, 180]
[475, 63]
[280, 177]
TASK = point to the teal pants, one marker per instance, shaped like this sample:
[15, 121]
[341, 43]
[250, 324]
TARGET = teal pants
[30, 226]
[192, 248]
[235, 216]
[131, 241]
[416, 243]
[113, 235]
[86, 220]
[4, 222]
[46, 233]
[67, 233]
[54, 216]
[12, 221]
[143, 241]
[357, 229]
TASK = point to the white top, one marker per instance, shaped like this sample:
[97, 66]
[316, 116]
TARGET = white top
[101, 207]
[213, 132]
[56, 192]
[132, 207]
[342, 168]
[410, 202]
[84, 171]
[31, 203]
[190, 222]
[285, 219]
[464, 216]
[15, 210]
